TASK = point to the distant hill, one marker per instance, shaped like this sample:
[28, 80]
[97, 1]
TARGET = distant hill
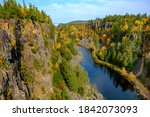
[78, 22]
[74, 22]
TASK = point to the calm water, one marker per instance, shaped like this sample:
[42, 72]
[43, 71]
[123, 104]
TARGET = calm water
[111, 85]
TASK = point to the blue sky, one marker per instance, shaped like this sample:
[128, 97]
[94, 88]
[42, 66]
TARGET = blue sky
[62, 11]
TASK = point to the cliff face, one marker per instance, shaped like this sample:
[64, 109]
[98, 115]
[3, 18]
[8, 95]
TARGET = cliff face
[25, 60]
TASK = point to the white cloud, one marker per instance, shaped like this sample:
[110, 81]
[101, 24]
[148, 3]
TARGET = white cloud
[98, 8]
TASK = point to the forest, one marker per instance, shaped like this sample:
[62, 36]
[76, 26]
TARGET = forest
[119, 40]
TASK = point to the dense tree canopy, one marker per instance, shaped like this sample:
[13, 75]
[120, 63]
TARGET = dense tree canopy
[11, 9]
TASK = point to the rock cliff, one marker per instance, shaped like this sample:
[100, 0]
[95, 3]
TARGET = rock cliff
[25, 49]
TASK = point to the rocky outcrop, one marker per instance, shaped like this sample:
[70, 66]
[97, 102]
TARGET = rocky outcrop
[24, 60]
[108, 25]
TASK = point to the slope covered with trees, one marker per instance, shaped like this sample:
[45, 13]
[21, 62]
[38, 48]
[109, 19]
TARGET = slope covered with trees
[119, 40]
[35, 60]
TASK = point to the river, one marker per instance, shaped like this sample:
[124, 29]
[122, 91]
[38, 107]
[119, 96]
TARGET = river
[109, 83]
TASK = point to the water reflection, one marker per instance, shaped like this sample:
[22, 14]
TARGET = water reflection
[109, 83]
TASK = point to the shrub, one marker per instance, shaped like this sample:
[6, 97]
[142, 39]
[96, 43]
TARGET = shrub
[66, 54]
[73, 49]
[34, 50]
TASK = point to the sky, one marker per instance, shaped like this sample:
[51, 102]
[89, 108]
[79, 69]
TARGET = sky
[63, 11]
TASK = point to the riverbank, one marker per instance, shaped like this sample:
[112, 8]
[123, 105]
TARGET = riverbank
[91, 92]
[141, 90]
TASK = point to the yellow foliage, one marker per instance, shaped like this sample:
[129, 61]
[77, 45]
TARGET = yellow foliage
[67, 50]
[58, 46]
[123, 70]
[112, 44]
[100, 53]
[104, 35]
[23, 12]
[56, 66]
[46, 19]
[53, 48]
[77, 39]
[124, 39]
[125, 27]
[108, 41]
[148, 27]
[137, 22]
[13, 42]
[134, 29]
[132, 76]
[93, 47]
[103, 48]
[144, 20]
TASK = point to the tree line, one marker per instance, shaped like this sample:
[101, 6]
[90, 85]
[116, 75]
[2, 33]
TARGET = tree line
[10, 9]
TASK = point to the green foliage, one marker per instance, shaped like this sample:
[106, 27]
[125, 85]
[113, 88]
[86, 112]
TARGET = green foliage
[55, 57]
[11, 9]
[31, 44]
[46, 42]
[72, 49]
[60, 94]
[82, 79]
[26, 73]
[69, 76]
[59, 86]
[65, 53]
[96, 43]
[148, 69]
[57, 77]
[34, 50]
